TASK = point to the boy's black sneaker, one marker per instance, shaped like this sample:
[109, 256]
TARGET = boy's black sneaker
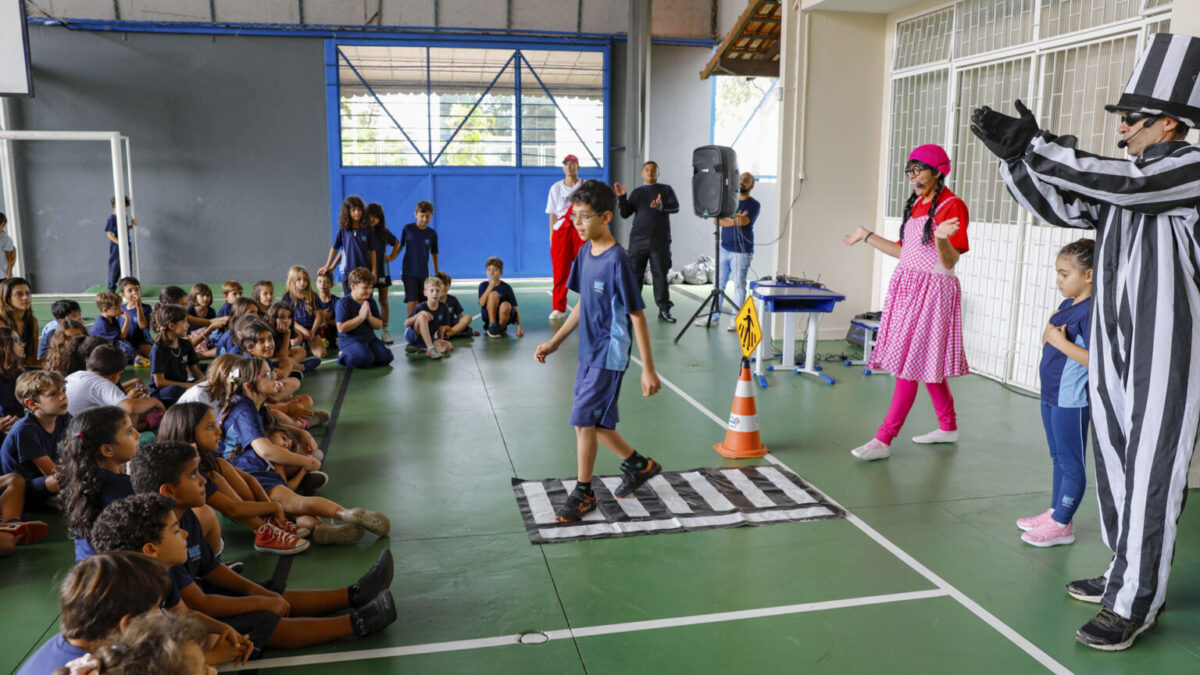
[411, 348]
[313, 480]
[1111, 632]
[1087, 590]
[374, 616]
[578, 505]
[493, 330]
[632, 478]
[375, 581]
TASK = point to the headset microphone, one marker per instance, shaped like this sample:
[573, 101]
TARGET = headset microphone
[1124, 142]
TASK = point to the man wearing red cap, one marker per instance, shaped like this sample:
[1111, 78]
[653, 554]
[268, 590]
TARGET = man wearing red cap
[564, 240]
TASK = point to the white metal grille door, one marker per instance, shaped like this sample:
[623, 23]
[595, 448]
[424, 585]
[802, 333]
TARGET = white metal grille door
[918, 117]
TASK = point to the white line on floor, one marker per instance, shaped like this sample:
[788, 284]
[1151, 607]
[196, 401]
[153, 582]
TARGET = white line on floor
[1003, 628]
[592, 631]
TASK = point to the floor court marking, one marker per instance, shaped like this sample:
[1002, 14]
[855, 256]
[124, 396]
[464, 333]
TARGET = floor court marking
[593, 631]
[944, 589]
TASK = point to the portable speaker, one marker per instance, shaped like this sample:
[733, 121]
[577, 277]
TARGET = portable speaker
[715, 178]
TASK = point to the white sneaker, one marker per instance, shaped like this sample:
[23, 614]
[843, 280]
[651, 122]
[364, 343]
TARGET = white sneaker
[871, 450]
[557, 315]
[386, 336]
[731, 327]
[937, 436]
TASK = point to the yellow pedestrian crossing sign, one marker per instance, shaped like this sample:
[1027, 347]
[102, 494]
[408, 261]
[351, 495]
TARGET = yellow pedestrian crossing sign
[748, 329]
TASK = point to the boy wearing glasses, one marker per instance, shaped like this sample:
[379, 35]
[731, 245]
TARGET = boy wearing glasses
[608, 313]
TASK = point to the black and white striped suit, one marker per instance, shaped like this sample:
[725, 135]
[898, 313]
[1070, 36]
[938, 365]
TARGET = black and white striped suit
[1144, 372]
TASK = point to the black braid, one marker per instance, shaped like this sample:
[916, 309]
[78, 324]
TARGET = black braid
[927, 235]
[908, 207]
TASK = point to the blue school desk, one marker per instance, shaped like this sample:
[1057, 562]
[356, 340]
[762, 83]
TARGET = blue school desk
[791, 299]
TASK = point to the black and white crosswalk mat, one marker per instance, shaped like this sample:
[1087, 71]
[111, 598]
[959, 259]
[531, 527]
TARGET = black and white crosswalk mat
[675, 501]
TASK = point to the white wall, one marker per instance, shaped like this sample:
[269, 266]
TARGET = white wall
[830, 131]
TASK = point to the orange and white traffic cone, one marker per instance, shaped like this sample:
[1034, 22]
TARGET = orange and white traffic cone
[741, 433]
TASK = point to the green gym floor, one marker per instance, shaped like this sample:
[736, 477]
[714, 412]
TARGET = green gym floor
[927, 575]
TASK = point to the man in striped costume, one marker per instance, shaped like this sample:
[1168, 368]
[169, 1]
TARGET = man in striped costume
[1144, 372]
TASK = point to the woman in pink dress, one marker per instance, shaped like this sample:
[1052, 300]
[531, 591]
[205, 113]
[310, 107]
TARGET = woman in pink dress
[920, 335]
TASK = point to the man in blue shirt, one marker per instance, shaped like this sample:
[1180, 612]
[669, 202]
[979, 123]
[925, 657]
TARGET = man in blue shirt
[609, 316]
[737, 244]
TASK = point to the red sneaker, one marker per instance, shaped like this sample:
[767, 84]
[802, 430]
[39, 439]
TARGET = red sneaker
[292, 528]
[271, 539]
[28, 532]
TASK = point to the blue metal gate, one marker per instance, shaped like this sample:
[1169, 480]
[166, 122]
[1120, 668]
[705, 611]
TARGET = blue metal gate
[486, 156]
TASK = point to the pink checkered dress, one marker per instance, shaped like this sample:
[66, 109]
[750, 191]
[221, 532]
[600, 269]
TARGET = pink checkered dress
[920, 334]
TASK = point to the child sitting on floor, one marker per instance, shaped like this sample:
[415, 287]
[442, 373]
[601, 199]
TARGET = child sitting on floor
[264, 295]
[12, 359]
[301, 299]
[31, 447]
[135, 327]
[460, 321]
[426, 327]
[203, 321]
[100, 384]
[357, 318]
[99, 598]
[497, 302]
[325, 303]
[162, 643]
[174, 364]
[109, 324]
[62, 357]
[13, 530]
[171, 469]
[100, 441]
[61, 310]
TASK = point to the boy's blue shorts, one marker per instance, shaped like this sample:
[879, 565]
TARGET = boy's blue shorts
[595, 399]
[413, 338]
[512, 317]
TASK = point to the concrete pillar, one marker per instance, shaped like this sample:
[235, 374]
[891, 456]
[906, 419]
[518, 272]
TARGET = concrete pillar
[637, 94]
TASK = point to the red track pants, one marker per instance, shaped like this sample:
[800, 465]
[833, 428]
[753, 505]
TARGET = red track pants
[564, 245]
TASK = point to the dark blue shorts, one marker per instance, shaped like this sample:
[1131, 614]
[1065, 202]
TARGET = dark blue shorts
[414, 288]
[512, 317]
[37, 497]
[267, 479]
[595, 399]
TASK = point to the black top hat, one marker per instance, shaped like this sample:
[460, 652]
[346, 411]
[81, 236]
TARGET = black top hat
[1164, 81]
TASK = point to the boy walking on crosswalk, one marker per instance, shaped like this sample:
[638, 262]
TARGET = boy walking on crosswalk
[608, 313]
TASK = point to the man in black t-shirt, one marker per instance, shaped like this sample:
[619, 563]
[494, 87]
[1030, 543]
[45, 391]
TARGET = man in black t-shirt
[650, 236]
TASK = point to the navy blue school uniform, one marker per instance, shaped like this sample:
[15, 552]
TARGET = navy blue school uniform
[114, 486]
[226, 345]
[383, 239]
[608, 292]
[9, 405]
[418, 244]
[456, 309]
[301, 313]
[201, 562]
[174, 363]
[1065, 411]
[201, 312]
[329, 330]
[225, 310]
[55, 654]
[114, 257]
[506, 295]
[240, 427]
[360, 348]
[26, 442]
[356, 246]
[136, 336]
[441, 317]
[110, 329]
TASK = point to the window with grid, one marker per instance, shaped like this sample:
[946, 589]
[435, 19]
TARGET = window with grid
[923, 40]
[455, 106]
[1008, 278]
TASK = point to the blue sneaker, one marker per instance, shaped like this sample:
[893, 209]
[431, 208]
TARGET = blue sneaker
[310, 363]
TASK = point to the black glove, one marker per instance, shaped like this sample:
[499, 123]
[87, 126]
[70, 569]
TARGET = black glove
[1007, 137]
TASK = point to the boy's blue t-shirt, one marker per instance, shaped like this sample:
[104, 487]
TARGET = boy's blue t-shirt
[356, 246]
[115, 486]
[27, 441]
[740, 239]
[608, 292]
[226, 344]
[135, 335]
[326, 306]
[55, 654]
[107, 328]
[455, 307]
[1064, 380]
[242, 426]
[110, 225]
[502, 289]
[418, 245]
[9, 405]
[201, 312]
[201, 559]
[300, 310]
[441, 315]
[44, 338]
[346, 309]
[173, 364]
[383, 239]
[225, 310]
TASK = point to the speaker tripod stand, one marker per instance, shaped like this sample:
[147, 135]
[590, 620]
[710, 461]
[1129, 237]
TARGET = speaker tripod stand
[717, 292]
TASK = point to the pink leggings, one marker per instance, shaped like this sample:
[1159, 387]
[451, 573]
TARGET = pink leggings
[902, 402]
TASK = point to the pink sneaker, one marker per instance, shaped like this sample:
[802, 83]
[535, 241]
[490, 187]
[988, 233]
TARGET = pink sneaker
[872, 449]
[1027, 524]
[1050, 533]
